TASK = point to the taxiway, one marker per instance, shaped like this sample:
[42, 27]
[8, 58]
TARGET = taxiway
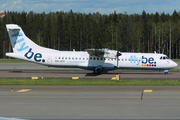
[83, 74]
[90, 102]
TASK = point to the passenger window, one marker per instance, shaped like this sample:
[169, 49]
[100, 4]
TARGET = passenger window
[90, 58]
[65, 57]
[59, 57]
[69, 58]
[125, 59]
[94, 58]
[86, 58]
[122, 59]
[76, 58]
[83, 58]
[101, 58]
[73, 58]
[97, 58]
[79, 58]
[62, 57]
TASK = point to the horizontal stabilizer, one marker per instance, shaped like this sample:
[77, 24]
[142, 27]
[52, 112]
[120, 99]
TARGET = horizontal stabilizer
[13, 27]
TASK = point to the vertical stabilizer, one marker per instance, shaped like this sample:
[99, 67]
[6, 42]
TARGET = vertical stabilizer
[19, 41]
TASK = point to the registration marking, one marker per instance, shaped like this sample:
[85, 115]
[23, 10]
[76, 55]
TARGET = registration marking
[23, 90]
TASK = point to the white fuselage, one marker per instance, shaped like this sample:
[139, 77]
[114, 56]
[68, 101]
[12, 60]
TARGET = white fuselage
[74, 59]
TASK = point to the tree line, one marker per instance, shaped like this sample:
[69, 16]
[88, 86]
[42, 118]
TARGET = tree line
[144, 32]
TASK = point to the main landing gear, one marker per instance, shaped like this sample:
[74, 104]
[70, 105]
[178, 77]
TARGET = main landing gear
[98, 69]
[166, 72]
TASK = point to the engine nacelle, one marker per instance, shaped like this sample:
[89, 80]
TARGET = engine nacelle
[106, 53]
[110, 53]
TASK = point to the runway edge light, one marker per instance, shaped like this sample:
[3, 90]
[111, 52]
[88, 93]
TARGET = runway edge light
[117, 77]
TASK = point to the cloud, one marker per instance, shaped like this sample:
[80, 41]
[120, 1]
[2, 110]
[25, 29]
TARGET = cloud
[4, 5]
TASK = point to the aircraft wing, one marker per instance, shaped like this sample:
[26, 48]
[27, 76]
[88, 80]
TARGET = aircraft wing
[96, 52]
[106, 53]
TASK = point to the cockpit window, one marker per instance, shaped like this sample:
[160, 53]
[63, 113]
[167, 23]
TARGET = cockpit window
[167, 57]
[164, 57]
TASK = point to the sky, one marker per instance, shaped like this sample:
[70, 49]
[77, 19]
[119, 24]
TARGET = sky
[92, 6]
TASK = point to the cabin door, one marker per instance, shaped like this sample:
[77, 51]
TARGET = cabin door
[49, 60]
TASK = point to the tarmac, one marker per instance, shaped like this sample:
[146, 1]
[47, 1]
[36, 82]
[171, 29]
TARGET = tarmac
[83, 74]
[86, 102]
[28, 70]
[90, 102]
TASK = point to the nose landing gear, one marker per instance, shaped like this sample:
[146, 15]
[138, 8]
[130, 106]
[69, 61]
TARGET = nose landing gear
[166, 72]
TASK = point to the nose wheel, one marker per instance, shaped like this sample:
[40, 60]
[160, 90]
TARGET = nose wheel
[166, 72]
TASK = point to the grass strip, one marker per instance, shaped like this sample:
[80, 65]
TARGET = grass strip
[176, 60]
[89, 82]
[12, 61]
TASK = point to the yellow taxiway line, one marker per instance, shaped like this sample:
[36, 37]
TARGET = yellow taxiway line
[23, 90]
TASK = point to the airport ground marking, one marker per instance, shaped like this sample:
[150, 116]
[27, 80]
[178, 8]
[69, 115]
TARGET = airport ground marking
[23, 90]
[98, 97]
[34, 78]
[113, 78]
[75, 78]
[147, 90]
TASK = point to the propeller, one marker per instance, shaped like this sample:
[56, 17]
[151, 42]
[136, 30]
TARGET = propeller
[117, 55]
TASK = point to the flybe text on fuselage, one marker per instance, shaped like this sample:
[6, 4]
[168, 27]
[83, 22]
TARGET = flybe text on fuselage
[143, 61]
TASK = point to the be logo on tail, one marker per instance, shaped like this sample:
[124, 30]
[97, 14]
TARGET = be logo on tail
[23, 47]
[37, 56]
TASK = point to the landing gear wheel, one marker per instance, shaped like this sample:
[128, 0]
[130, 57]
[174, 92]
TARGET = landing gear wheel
[166, 73]
[97, 71]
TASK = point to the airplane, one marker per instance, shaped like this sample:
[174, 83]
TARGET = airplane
[97, 60]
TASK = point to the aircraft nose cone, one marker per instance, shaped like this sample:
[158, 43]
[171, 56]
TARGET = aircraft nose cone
[175, 64]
